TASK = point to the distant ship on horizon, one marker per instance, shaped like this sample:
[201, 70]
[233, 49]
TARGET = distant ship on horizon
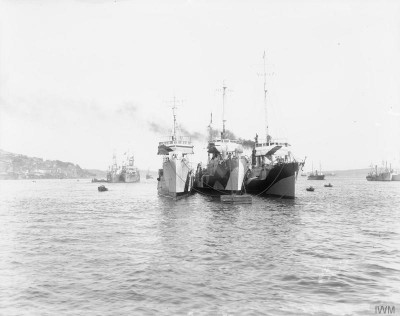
[383, 174]
[315, 175]
[125, 173]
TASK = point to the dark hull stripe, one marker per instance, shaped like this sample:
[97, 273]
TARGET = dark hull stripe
[206, 183]
[278, 173]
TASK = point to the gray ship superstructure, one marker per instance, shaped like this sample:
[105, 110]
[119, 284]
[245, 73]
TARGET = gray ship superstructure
[175, 178]
[126, 172]
[226, 166]
[225, 170]
[129, 172]
[381, 174]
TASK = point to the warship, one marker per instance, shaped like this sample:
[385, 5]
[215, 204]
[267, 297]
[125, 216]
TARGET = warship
[315, 174]
[129, 172]
[384, 174]
[274, 169]
[126, 172]
[175, 178]
[226, 165]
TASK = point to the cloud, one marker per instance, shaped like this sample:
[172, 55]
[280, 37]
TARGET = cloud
[194, 135]
[159, 128]
[156, 128]
[45, 107]
[247, 143]
[128, 108]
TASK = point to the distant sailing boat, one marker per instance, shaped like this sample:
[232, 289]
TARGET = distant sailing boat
[175, 179]
[273, 168]
[226, 166]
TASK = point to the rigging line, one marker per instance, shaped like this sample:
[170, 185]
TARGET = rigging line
[183, 181]
[221, 192]
[273, 182]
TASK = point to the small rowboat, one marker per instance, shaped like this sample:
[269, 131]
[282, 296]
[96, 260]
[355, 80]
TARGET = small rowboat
[310, 189]
[102, 188]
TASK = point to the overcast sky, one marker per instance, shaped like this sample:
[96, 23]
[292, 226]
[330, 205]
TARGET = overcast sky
[81, 79]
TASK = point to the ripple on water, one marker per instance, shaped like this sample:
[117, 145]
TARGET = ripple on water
[66, 249]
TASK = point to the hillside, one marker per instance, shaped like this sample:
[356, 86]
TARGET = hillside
[15, 166]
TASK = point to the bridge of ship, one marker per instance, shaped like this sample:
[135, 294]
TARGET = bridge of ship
[225, 146]
[274, 143]
[219, 140]
[176, 143]
[271, 147]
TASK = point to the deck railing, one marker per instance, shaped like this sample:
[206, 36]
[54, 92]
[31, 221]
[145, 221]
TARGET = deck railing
[226, 141]
[276, 142]
[178, 140]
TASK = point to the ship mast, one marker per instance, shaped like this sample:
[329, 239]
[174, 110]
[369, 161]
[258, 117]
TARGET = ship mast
[265, 103]
[223, 108]
[174, 114]
[114, 160]
[210, 130]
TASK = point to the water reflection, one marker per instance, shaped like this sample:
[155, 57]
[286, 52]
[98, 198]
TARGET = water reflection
[67, 247]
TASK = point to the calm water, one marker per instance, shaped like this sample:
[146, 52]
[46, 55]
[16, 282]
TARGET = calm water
[66, 249]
